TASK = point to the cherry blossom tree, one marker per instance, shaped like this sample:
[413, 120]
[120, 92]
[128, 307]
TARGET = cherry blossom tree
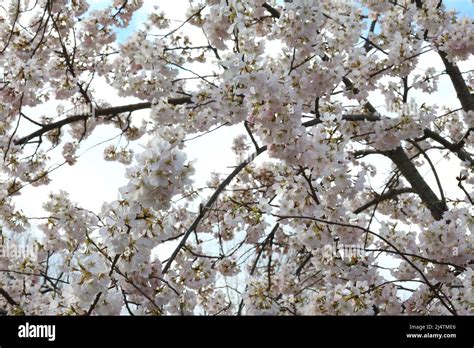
[336, 204]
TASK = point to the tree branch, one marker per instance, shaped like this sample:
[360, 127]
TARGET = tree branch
[234, 173]
[437, 291]
[100, 112]
[210, 203]
[407, 168]
[273, 11]
[409, 171]
[462, 154]
[462, 91]
[7, 297]
[383, 197]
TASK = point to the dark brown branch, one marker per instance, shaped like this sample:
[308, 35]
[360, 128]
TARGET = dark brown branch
[249, 131]
[436, 206]
[383, 197]
[50, 127]
[7, 297]
[262, 247]
[408, 169]
[462, 154]
[462, 91]
[363, 153]
[94, 304]
[460, 185]
[433, 169]
[210, 203]
[312, 191]
[100, 112]
[303, 264]
[369, 44]
[257, 258]
[273, 11]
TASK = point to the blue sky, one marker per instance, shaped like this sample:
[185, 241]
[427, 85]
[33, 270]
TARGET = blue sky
[122, 34]
[465, 8]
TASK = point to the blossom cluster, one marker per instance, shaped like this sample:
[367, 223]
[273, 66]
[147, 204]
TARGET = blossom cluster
[347, 137]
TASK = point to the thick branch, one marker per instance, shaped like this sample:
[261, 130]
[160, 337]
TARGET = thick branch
[100, 112]
[7, 297]
[462, 91]
[273, 11]
[408, 169]
[49, 127]
[462, 154]
[436, 206]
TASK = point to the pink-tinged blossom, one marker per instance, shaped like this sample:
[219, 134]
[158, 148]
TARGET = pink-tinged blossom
[350, 184]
